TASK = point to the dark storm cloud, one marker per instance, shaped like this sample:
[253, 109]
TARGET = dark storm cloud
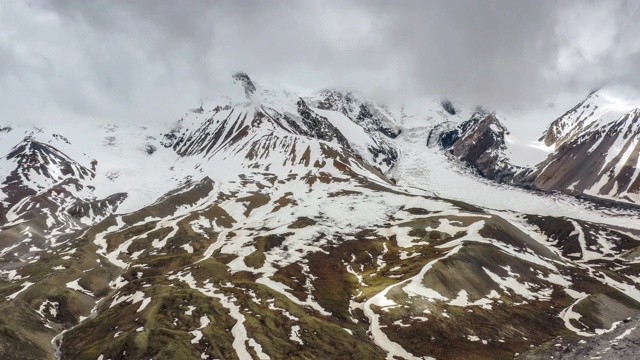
[128, 60]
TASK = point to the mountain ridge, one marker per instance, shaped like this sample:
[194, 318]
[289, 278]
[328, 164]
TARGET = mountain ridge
[276, 227]
[595, 131]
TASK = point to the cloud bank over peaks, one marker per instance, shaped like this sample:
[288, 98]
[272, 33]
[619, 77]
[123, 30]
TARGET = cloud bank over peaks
[149, 60]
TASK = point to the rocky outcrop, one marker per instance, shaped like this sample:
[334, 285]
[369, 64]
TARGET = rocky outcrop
[480, 143]
[376, 120]
[319, 127]
[245, 81]
[366, 114]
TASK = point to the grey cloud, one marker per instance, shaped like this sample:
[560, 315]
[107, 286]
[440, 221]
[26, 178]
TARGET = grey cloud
[148, 60]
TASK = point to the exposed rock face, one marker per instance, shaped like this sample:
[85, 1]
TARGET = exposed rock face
[442, 134]
[366, 114]
[229, 126]
[36, 167]
[319, 127]
[572, 123]
[480, 142]
[245, 81]
[82, 208]
[594, 155]
[375, 120]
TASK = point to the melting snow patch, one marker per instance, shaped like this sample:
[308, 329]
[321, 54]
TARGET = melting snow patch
[133, 298]
[188, 248]
[144, 304]
[613, 327]
[461, 300]
[50, 306]
[197, 336]
[511, 283]
[295, 334]
[625, 334]
[405, 255]
[190, 310]
[76, 286]
[239, 331]
[10, 274]
[575, 294]
[258, 349]
[25, 286]
[400, 323]
[568, 314]
[118, 283]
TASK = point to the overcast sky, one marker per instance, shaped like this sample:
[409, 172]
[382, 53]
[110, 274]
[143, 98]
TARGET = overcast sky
[151, 60]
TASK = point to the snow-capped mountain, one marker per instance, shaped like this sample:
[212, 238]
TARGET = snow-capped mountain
[378, 123]
[264, 225]
[602, 133]
[32, 166]
[594, 150]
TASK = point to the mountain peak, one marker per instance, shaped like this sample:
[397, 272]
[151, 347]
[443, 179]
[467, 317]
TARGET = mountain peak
[600, 107]
[244, 80]
[34, 158]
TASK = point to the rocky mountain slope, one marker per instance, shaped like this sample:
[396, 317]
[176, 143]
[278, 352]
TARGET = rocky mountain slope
[266, 225]
[603, 134]
[595, 150]
[480, 142]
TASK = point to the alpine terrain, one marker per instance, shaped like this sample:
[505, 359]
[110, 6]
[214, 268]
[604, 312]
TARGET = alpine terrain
[268, 225]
